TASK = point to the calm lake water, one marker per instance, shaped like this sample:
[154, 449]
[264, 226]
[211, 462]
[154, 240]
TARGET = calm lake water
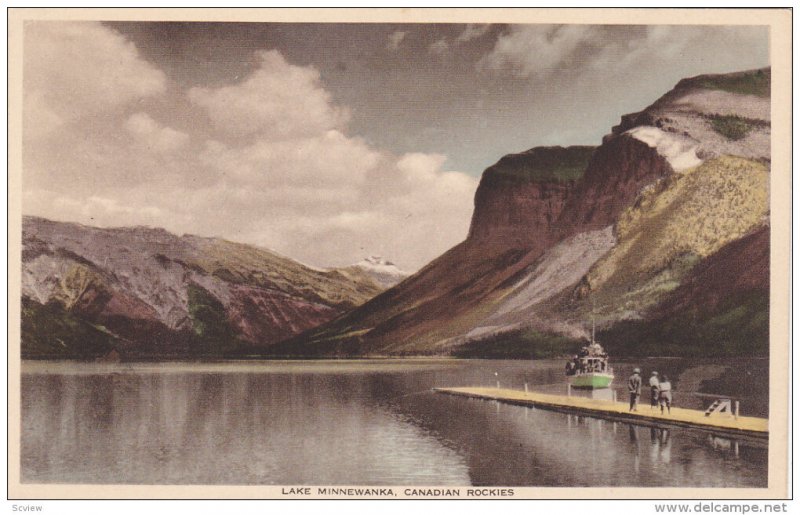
[366, 423]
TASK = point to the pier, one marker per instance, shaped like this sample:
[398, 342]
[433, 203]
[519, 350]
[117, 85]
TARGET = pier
[720, 423]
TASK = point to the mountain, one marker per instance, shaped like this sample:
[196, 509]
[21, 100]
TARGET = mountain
[149, 293]
[383, 272]
[661, 234]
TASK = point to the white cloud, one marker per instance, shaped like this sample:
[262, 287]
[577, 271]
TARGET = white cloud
[40, 119]
[154, 136]
[472, 32]
[420, 168]
[329, 158]
[422, 213]
[442, 46]
[330, 199]
[278, 100]
[80, 79]
[266, 160]
[535, 50]
[91, 209]
[78, 69]
[439, 47]
[395, 38]
[541, 51]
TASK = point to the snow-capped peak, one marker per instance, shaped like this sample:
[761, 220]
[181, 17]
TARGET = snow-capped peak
[376, 260]
[383, 271]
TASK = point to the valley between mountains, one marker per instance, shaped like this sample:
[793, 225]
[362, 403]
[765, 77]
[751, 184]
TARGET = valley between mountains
[660, 234]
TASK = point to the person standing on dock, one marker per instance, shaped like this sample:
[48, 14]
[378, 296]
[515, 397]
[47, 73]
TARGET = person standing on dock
[634, 388]
[654, 390]
[665, 394]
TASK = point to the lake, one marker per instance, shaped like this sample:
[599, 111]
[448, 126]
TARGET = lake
[368, 423]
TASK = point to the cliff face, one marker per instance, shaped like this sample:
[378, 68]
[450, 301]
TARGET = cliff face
[672, 193]
[618, 171]
[150, 292]
[521, 197]
[517, 215]
[560, 233]
[539, 197]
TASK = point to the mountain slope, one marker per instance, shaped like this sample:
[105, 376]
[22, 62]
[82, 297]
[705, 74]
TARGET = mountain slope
[723, 303]
[150, 292]
[560, 233]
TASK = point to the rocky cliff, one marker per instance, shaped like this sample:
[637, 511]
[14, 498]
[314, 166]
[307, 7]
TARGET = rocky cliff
[617, 232]
[148, 292]
[522, 196]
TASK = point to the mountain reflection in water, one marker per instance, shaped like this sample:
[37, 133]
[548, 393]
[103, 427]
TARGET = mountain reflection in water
[367, 423]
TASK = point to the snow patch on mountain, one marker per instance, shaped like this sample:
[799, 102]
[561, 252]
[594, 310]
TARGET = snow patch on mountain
[384, 272]
[679, 151]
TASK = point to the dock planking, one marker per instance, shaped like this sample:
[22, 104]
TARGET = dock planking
[682, 417]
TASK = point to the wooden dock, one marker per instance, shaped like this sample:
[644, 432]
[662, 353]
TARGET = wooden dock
[723, 424]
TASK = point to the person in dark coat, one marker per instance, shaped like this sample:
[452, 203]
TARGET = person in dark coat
[634, 388]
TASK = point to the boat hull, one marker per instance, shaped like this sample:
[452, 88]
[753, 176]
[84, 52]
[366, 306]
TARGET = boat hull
[592, 380]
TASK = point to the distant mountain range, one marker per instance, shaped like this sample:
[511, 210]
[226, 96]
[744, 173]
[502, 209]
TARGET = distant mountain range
[147, 292]
[661, 234]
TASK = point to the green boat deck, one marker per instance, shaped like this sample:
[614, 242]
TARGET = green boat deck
[591, 380]
[723, 423]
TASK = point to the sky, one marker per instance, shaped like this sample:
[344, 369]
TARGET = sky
[326, 142]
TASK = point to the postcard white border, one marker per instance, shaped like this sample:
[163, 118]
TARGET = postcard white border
[780, 24]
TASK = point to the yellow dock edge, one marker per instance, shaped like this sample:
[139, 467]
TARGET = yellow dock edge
[682, 417]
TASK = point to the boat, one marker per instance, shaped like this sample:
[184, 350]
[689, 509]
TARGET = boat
[589, 369]
[592, 373]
